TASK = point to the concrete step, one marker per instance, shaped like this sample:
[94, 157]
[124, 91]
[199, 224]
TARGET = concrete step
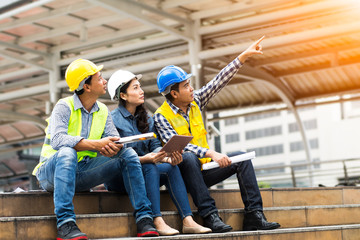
[18, 204]
[114, 225]
[338, 232]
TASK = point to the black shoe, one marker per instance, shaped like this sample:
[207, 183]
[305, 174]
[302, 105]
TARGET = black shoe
[256, 220]
[69, 231]
[215, 223]
[146, 228]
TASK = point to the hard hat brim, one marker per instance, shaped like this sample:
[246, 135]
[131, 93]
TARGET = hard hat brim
[115, 84]
[172, 82]
[98, 69]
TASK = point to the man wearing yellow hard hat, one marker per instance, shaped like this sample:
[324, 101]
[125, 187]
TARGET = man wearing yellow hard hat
[79, 153]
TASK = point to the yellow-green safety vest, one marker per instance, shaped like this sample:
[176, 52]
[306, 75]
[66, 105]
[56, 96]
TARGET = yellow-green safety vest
[181, 126]
[74, 129]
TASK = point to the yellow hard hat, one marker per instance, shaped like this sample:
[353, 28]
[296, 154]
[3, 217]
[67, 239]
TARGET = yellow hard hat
[79, 70]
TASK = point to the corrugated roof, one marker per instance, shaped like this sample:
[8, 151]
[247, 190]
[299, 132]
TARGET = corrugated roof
[311, 50]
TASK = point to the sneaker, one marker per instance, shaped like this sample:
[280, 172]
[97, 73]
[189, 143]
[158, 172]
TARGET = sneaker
[146, 228]
[70, 231]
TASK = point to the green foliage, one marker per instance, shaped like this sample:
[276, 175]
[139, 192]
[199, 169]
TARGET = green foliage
[264, 185]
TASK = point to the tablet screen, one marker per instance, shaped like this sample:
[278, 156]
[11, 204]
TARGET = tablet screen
[176, 143]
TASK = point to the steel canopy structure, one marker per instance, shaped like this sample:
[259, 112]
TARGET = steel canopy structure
[311, 51]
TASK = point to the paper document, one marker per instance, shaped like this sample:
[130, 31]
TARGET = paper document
[234, 159]
[136, 138]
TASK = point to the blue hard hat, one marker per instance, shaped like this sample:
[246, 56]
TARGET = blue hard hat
[170, 75]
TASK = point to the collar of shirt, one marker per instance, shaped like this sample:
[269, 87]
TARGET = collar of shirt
[175, 109]
[125, 112]
[78, 104]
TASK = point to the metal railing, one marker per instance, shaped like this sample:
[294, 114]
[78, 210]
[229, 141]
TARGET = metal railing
[324, 173]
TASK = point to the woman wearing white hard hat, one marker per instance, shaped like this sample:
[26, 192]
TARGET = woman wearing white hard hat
[131, 118]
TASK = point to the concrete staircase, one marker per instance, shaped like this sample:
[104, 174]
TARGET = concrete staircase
[304, 213]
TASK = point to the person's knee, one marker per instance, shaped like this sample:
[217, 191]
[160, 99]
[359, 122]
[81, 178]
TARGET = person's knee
[129, 156]
[190, 160]
[149, 169]
[67, 156]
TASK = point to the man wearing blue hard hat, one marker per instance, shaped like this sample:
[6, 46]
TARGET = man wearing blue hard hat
[181, 114]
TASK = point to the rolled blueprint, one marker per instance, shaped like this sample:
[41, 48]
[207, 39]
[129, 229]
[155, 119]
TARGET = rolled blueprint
[136, 138]
[234, 159]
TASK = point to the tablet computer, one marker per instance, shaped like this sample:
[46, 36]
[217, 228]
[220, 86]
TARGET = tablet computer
[176, 143]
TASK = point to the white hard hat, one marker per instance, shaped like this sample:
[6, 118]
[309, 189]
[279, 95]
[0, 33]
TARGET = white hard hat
[119, 79]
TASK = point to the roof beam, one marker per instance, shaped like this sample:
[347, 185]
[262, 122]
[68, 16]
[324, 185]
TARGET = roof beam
[24, 49]
[104, 40]
[134, 10]
[289, 39]
[255, 74]
[25, 140]
[20, 84]
[273, 28]
[274, 42]
[287, 14]
[245, 6]
[19, 73]
[176, 3]
[24, 8]
[316, 68]
[25, 61]
[44, 15]
[15, 116]
[141, 44]
[307, 54]
[141, 6]
[66, 29]
[31, 91]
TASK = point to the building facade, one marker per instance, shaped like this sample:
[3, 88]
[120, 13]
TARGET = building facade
[332, 131]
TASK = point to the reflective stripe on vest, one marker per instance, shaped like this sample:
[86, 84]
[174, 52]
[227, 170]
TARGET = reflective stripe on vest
[74, 129]
[181, 126]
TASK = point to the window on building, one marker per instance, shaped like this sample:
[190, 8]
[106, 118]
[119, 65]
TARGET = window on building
[303, 109]
[261, 116]
[268, 150]
[264, 132]
[231, 121]
[231, 138]
[351, 109]
[299, 145]
[309, 124]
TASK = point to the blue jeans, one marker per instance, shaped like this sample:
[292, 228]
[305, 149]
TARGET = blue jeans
[197, 183]
[64, 175]
[156, 175]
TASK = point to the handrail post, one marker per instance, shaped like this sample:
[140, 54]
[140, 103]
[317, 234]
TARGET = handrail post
[346, 177]
[293, 176]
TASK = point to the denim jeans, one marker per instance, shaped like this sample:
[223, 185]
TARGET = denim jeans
[64, 175]
[197, 183]
[156, 175]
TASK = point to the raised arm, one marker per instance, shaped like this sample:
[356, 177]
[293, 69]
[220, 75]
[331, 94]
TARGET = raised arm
[253, 49]
[207, 92]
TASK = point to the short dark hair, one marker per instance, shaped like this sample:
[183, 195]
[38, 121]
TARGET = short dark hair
[87, 81]
[174, 87]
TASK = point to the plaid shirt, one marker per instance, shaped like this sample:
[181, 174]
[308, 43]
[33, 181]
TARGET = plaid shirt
[202, 98]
